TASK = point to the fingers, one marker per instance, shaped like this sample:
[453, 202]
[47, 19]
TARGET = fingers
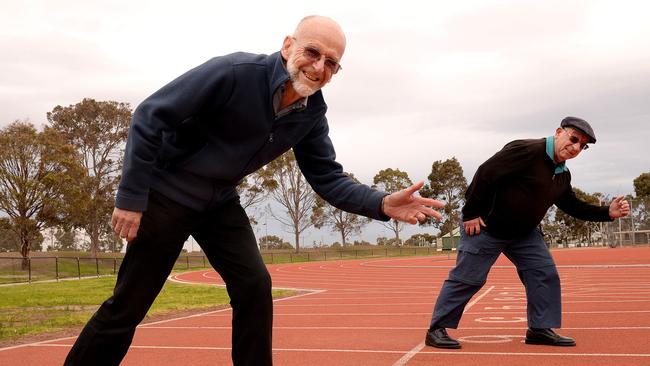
[126, 223]
[432, 213]
[414, 188]
[473, 227]
[429, 202]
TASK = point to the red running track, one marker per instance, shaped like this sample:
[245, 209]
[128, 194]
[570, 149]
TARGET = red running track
[376, 312]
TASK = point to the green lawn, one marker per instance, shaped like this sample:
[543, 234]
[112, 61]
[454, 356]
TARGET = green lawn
[46, 307]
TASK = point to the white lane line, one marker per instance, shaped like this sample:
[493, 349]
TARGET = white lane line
[458, 353]
[564, 312]
[407, 357]
[386, 328]
[339, 314]
[147, 325]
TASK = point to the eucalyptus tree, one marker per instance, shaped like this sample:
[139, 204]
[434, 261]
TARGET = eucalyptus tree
[98, 131]
[391, 181]
[38, 176]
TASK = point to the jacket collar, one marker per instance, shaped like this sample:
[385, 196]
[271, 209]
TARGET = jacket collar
[279, 75]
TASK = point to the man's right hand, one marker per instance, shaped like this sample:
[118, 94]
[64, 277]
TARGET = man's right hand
[126, 223]
[473, 227]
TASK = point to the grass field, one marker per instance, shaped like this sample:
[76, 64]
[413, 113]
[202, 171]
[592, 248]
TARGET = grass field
[48, 307]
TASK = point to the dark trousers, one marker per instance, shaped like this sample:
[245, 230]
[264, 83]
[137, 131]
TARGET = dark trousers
[225, 235]
[477, 254]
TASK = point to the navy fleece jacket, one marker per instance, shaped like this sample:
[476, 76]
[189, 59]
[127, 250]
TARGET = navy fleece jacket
[197, 137]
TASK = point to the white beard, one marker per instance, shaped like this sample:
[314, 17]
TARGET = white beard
[294, 74]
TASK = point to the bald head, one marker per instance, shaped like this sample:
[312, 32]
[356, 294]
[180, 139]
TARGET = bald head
[322, 28]
[312, 54]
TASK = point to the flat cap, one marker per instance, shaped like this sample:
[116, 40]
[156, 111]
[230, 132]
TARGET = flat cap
[581, 125]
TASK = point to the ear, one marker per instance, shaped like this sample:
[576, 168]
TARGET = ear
[558, 131]
[286, 46]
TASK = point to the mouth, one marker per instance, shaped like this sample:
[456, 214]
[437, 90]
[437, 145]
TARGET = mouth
[310, 77]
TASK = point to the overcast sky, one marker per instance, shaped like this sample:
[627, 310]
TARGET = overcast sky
[421, 80]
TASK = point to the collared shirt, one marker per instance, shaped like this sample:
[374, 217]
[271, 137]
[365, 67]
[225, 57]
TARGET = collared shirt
[550, 151]
[298, 105]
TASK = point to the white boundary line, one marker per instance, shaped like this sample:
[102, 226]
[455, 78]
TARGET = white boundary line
[456, 353]
[208, 313]
[407, 357]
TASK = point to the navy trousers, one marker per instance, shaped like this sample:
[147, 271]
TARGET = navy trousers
[225, 235]
[476, 255]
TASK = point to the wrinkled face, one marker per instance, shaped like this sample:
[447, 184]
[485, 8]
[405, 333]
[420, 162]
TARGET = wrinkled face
[312, 56]
[569, 142]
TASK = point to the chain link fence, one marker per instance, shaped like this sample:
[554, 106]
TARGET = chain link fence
[631, 230]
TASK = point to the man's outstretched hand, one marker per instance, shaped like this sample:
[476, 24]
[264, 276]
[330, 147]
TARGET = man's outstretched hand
[406, 206]
[619, 208]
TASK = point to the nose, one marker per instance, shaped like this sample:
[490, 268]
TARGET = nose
[319, 64]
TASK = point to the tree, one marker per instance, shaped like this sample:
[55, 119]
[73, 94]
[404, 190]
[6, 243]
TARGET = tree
[255, 188]
[273, 242]
[420, 240]
[9, 240]
[575, 228]
[344, 223]
[642, 185]
[384, 241]
[447, 184]
[66, 239]
[293, 193]
[553, 231]
[98, 131]
[391, 181]
[37, 170]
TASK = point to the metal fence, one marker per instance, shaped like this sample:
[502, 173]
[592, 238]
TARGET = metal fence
[631, 230]
[37, 269]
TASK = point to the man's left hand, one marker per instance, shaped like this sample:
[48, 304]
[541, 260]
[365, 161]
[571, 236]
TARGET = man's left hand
[619, 208]
[406, 206]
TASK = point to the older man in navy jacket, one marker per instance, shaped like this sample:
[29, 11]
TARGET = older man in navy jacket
[189, 146]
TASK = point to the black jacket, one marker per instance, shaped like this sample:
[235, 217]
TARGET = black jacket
[513, 189]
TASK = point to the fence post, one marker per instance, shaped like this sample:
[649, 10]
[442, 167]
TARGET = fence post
[29, 266]
[341, 254]
[325, 252]
[78, 268]
[114, 265]
[308, 260]
[356, 253]
[97, 265]
[203, 257]
[187, 260]
[56, 266]
[271, 257]
[290, 257]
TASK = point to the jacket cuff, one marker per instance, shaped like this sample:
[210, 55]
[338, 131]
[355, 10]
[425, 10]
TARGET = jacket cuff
[131, 203]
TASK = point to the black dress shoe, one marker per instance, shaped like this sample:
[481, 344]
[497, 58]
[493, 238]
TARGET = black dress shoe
[547, 337]
[440, 339]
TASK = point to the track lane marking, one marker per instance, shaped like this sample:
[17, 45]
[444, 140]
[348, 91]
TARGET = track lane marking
[407, 357]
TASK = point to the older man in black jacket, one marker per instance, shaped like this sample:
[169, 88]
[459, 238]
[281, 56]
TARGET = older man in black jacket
[189, 146]
[505, 202]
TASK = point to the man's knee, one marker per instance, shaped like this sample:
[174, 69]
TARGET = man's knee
[471, 268]
[253, 286]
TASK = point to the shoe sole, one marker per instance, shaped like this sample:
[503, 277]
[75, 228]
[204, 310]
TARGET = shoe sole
[532, 341]
[440, 346]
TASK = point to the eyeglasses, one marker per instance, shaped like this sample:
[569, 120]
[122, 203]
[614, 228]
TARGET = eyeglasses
[575, 139]
[312, 54]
